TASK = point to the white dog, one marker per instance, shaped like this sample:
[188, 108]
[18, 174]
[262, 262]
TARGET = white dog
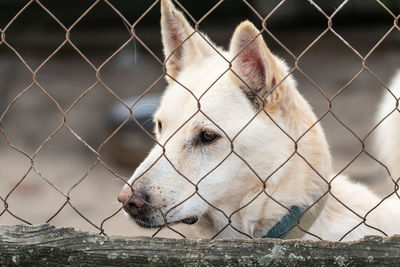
[387, 136]
[239, 151]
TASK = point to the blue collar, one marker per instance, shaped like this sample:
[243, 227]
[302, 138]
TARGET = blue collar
[282, 228]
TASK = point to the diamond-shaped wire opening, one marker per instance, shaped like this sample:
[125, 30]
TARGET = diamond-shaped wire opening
[13, 166]
[31, 193]
[14, 79]
[63, 140]
[353, 16]
[98, 95]
[90, 186]
[18, 112]
[127, 68]
[109, 40]
[381, 66]
[365, 89]
[24, 34]
[125, 139]
[66, 75]
[286, 15]
[13, 8]
[328, 53]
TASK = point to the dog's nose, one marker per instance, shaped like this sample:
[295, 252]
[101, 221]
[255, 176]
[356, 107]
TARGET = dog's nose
[134, 201]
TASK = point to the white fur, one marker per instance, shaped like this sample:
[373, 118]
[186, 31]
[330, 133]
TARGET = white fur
[263, 146]
[387, 136]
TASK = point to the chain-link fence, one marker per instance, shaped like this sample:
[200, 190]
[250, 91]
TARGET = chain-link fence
[97, 151]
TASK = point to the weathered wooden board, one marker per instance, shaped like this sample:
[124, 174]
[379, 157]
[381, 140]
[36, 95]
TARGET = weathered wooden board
[43, 245]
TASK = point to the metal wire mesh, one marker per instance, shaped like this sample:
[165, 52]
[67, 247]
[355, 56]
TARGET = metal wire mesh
[134, 37]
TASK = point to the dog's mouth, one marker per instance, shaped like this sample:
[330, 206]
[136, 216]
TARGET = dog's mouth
[145, 222]
[190, 220]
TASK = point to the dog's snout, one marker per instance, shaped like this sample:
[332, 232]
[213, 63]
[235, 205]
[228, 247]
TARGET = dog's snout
[134, 201]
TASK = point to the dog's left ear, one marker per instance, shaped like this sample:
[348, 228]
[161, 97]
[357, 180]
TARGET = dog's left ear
[182, 44]
[256, 66]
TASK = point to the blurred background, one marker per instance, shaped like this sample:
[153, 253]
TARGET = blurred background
[65, 164]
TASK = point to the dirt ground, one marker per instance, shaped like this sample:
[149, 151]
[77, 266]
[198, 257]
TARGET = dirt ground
[64, 160]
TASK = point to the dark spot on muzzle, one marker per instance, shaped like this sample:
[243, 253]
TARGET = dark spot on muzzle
[134, 201]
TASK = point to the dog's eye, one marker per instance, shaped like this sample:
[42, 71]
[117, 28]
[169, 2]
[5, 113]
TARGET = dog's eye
[159, 126]
[208, 136]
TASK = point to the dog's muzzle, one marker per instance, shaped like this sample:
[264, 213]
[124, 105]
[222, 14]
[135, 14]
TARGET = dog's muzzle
[136, 204]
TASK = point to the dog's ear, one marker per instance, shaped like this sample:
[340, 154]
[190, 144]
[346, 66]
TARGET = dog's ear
[182, 44]
[256, 66]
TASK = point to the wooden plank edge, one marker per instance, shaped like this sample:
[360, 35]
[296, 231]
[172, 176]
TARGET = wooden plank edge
[46, 245]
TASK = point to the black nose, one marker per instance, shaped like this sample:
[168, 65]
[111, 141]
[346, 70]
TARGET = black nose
[134, 201]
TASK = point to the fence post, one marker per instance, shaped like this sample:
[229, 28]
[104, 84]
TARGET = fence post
[46, 245]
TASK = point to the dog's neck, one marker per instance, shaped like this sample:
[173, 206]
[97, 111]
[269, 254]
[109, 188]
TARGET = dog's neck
[284, 226]
[297, 220]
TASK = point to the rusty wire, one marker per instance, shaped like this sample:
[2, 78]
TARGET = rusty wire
[134, 37]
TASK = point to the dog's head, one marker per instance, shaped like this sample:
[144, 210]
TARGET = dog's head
[226, 129]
